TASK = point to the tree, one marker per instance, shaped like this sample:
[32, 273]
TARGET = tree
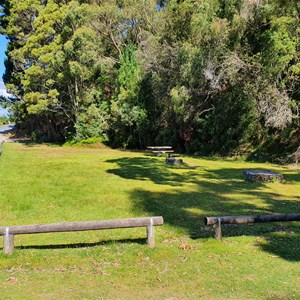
[205, 76]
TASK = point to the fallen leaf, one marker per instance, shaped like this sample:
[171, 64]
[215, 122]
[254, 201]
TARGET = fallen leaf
[11, 280]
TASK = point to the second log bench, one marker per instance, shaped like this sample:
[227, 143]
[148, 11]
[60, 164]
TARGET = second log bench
[9, 232]
[217, 221]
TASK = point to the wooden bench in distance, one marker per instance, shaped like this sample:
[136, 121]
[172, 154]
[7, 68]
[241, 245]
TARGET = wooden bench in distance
[148, 222]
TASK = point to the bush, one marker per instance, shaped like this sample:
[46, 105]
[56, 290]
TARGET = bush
[4, 120]
[88, 143]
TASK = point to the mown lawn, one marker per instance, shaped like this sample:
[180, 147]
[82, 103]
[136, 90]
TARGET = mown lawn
[47, 184]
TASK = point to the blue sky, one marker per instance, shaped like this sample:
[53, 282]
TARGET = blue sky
[3, 43]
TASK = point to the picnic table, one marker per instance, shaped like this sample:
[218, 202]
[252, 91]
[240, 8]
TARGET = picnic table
[160, 149]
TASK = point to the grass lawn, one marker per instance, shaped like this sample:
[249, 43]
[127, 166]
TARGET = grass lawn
[48, 184]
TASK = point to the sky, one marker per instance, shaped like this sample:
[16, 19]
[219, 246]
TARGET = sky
[3, 43]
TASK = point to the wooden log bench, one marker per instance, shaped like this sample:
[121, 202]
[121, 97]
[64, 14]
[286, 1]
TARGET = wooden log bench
[218, 221]
[9, 232]
[160, 150]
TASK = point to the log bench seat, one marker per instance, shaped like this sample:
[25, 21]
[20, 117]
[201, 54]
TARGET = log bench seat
[9, 232]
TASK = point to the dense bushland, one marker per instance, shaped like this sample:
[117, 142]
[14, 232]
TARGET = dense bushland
[206, 76]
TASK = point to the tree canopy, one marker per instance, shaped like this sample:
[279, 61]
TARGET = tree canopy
[206, 76]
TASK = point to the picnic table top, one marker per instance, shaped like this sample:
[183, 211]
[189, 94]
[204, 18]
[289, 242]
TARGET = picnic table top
[159, 147]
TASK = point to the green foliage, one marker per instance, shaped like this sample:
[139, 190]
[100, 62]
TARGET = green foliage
[4, 120]
[205, 76]
[87, 143]
[128, 115]
[129, 76]
[92, 123]
[230, 125]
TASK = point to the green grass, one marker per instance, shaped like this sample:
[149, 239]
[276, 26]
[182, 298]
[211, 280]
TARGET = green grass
[47, 184]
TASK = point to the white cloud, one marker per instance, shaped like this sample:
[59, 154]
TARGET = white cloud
[4, 93]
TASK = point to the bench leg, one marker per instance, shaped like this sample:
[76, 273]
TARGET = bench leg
[218, 230]
[150, 235]
[8, 244]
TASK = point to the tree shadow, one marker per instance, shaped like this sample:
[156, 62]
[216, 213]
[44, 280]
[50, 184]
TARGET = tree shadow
[285, 245]
[214, 192]
[292, 177]
[153, 169]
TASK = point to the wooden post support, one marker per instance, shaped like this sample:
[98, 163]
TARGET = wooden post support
[218, 230]
[150, 235]
[8, 243]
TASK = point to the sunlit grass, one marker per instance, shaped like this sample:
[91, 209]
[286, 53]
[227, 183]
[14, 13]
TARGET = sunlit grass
[47, 184]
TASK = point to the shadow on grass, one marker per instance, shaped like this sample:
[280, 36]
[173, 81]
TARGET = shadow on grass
[214, 192]
[85, 245]
[142, 168]
[285, 245]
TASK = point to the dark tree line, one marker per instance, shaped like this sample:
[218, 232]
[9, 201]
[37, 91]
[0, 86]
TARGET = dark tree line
[206, 76]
